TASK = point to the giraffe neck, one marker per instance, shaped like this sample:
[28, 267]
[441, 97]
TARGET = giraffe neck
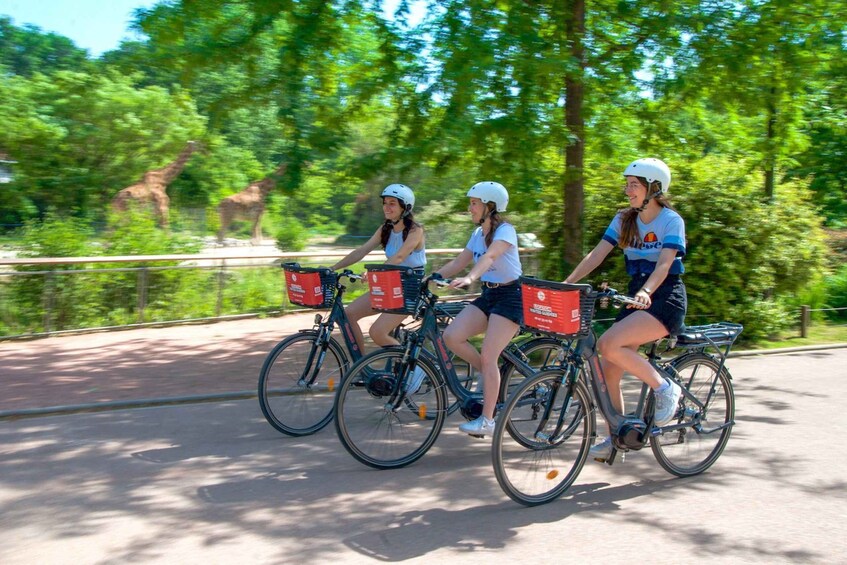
[170, 172]
[269, 182]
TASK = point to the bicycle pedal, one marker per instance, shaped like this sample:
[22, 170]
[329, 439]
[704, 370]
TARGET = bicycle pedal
[478, 436]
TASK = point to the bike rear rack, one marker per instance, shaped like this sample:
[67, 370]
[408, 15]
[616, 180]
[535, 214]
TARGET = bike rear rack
[717, 336]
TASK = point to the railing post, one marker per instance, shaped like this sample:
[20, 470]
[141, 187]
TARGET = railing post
[805, 320]
[142, 293]
[221, 282]
[49, 299]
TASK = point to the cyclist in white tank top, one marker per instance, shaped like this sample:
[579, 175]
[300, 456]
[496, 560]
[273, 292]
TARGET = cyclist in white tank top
[404, 244]
[493, 247]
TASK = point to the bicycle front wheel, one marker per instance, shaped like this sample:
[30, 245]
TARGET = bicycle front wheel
[542, 438]
[298, 381]
[695, 440]
[378, 424]
[540, 352]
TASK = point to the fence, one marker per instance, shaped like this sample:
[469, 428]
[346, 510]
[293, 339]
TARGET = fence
[48, 296]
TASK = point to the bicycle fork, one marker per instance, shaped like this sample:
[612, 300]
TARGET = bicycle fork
[315, 361]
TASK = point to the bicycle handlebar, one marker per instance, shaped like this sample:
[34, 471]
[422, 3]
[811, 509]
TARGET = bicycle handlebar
[609, 293]
[437, 279]
[351, 275]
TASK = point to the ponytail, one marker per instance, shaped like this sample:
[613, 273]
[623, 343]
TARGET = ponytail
[494, 220]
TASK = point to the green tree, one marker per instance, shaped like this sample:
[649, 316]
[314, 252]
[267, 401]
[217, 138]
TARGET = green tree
[763, 59]
[79, 138]
[27, 50]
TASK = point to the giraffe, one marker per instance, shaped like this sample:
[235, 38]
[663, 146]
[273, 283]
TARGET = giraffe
[248, 204]
[151, 189]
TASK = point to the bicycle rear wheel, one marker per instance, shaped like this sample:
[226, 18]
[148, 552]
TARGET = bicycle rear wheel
[297, 383]
[370, 428]
[700, 433]
[534, 463]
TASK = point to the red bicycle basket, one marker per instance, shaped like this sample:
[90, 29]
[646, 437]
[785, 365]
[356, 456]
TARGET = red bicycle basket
[313, 288]
[393, 288]
[555, 308]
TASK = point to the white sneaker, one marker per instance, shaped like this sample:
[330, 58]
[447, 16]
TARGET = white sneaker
[666, 404]
[414, 381]
[481, 427]
[602, 450]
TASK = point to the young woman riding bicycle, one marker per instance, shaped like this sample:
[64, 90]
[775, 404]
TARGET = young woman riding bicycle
[404, 243]
[652, 236]
[493, 247]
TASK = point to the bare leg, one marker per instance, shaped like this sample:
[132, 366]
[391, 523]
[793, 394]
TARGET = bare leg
[382, 327]
[500, 332]
[619, 346]
[356, 310]
[470, 322]
[613, 375]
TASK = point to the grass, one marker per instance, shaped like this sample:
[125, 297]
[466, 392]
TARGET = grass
[819, 333]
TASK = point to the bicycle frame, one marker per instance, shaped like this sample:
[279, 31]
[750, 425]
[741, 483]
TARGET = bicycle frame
[471, 402]
[324, 329]
[585, 357]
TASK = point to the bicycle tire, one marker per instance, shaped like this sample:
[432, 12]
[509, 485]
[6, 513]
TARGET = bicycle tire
[367, 425]
[691, 449]
[537, 472]
[287, 402]
[541, 352]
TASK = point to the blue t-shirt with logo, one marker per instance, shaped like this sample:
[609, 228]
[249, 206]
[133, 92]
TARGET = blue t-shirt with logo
[666, 231]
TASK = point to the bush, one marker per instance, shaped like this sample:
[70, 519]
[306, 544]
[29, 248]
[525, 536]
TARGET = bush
[59, 301]
[836, 290]
[292, 235]
[746, 257]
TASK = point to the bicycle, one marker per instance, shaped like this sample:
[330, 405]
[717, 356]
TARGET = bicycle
[298, 377]
[557, 414]
[385, 424]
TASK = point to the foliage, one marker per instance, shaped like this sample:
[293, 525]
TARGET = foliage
[746, 101]
[836, 291]
[291, 235]
[746, 257]
[55, 300]
[27, 50]
[80, 138]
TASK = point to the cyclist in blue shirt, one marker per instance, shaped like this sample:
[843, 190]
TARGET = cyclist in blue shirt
[652, 236]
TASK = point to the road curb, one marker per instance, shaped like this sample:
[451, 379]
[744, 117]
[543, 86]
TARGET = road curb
[244, 395]
[123, 405]
[779, 351]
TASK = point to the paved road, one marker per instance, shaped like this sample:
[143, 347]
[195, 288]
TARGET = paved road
[213, 483]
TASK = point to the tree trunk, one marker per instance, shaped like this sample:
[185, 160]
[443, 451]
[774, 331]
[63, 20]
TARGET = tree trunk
[770, 157]
[573, 193]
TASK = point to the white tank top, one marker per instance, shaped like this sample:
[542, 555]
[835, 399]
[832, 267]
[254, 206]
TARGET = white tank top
[415, 259]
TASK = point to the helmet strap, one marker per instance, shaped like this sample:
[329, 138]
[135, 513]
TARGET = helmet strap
[488, 213]
[648, 199]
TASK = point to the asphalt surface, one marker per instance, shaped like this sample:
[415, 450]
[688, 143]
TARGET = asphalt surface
[214, 483]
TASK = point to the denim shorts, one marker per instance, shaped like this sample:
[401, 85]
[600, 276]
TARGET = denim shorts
[669, 302]
[503, 300]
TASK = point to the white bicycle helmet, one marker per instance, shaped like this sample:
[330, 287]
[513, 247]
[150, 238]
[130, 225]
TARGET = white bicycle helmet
[400, 192]
[652, 170]
[489, 191]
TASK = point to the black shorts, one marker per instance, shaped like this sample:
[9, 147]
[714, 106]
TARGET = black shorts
[503, 300]
[669, 302]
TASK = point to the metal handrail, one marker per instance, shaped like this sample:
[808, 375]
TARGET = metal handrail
[223, 263]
